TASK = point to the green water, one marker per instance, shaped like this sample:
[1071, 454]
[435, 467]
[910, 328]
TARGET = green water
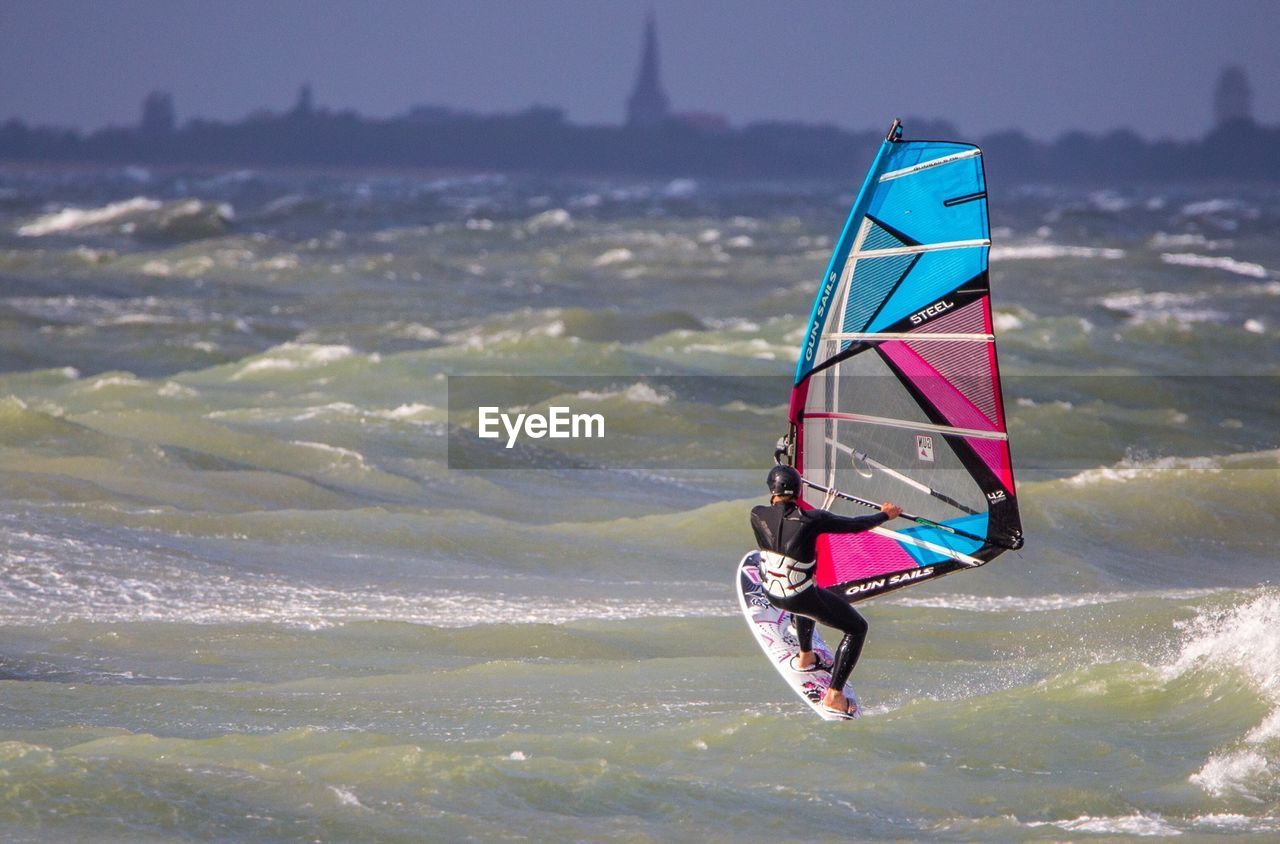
[243, 596]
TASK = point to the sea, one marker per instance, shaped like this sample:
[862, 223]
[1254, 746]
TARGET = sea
[253, 586]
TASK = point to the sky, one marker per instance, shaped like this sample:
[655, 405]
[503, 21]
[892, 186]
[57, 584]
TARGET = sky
[986, 65]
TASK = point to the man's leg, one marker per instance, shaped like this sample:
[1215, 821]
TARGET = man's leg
[804, 633]
[846, 618]
[833, 610]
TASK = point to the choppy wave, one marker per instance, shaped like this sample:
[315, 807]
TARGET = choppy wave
[1138, 823]
[639, 392]
[1045, 603]
[47, 579]
[141, 217]
[71, 219]
[1164, 306]
[1227, 265]
[1242, 640]
[1173, 467]
[1052, 251]
[292, 356]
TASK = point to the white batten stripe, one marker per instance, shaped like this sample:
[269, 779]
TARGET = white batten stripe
[850, 260]
[907, 423]
[916, 250]
[912, 336]
[925, 165]
[928, 546]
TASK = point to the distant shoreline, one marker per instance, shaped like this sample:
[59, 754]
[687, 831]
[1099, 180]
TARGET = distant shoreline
[542, 143]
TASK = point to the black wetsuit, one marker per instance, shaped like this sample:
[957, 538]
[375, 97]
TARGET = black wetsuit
[786, 529]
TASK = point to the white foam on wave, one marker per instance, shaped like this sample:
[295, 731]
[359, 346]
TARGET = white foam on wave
[732, 324]
[1210, 262]
[1232, 773]
[125, 380]
[1236, 823]
[109, 311]
[556, 218]
[47, 579]
[1005, 321]
[1242, 640]
[1162, 306]
[71, 219]
[192, 266]
[613, 256]
[410, 413]
[405, 411]
[290, 356]
[640, 393]
[478, 340]
[285, 261]
[143, 319]
[1218, 206]
[680, 189]
[346, 797]
[1166, 240]
[337, 408]
[344, 455]
[174, 390]
[1056, 404]
[94, 256]
[1129, 470]
[1044, 603]
[1138, 823]
[412, 331]
[1052, 251]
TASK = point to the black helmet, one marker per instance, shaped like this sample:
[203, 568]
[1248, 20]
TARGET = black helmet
[784, 480]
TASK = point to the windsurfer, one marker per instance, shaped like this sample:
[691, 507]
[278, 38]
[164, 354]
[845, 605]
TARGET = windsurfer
[788, 536]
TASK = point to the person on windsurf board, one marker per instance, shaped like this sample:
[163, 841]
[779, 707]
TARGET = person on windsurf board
[788, 536]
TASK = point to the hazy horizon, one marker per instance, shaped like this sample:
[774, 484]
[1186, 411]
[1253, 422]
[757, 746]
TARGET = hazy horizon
[985, 66]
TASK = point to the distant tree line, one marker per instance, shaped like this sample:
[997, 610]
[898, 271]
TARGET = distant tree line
[540, 140]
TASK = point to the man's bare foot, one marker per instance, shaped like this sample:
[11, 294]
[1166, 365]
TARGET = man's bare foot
[806, 660]
[835, 700]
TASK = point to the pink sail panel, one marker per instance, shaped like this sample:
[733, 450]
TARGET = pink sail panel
[852, 556]
[954, 406]
[995, 453]
[969, 366]
[941, 393]
[973, 318]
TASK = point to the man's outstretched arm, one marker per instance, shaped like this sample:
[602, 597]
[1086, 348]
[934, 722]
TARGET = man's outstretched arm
[831, 523]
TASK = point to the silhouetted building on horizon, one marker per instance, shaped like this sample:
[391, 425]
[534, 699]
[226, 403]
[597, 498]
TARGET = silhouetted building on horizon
[158, 115]
[654, 142]
[1232, 99]
[305, 105]
[648, 104]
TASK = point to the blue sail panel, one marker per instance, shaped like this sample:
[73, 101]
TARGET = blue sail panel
[937, 205]
[824, 303]
[976, 525]
[934, 275]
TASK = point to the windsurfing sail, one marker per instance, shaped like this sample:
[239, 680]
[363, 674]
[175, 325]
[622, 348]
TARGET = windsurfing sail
[897, 390]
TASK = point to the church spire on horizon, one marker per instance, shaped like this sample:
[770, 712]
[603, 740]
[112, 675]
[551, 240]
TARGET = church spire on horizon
[648, 104]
